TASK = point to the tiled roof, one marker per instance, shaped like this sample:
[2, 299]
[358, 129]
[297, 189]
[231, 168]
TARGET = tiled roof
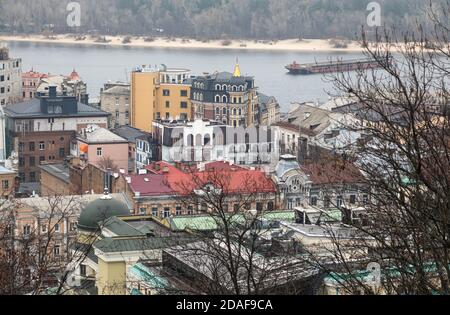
[150, 185]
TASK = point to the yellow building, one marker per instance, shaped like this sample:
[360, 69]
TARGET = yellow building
[159, 94]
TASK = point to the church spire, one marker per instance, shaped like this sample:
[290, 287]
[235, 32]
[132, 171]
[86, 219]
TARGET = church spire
[237, 69]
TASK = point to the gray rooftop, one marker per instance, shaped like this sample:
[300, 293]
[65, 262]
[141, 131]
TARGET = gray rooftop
[59, 170]
[130, 133]
[101, 135]
[32, 109]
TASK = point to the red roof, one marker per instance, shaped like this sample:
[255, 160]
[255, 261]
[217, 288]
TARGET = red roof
[182, 179]
[150, 185]
[74, 76]
[333, 171]
[32, 74]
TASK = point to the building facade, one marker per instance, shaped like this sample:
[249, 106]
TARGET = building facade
[42, 129]
[206, 141]
[10, 78]
[115, 99]
[159, 94]
[102, 148]
[229, 98]
[30, 83]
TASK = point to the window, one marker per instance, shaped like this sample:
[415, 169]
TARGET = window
[190, 210]
[183, 93]
[44, 229]
[326, 202]
[41, 159]
[83, 270]
[99, 151]
[54, 109]
[21, 147]
[167, 104]
[117, 114]
[72, 226]
[32, 176]
[167, 115]
[5, 184]
[62, 152]
[166, 212]
[31, 146]
[217, 98]
[42, 146]
[352, 199]
[56, 250]
[26, 230]
[339, 201]
[166, 92]
[365, 199]
[32, 161]
[270, 206]
[183, 116]
[155, 211]
[183, 104]
[21, 162]
[57, 227]
[142, 210]
[178, 211]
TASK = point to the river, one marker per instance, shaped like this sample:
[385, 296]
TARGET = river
[98, 64]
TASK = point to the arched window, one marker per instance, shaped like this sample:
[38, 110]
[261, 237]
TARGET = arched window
[200, 97]
[232, 149]
[207, 139]
[217, 111]
[234, 88]
[218, 87]
[217, 98]
[224, 87]
[224, 99]
[242, 88]
[234, 111]
[195, 96]
[224, 111]
[240, 111]
[203, 86]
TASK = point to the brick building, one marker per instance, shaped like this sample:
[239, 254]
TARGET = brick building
[42, 129]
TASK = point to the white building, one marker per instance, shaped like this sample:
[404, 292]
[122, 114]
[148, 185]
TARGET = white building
[10, 78]
[204, 141]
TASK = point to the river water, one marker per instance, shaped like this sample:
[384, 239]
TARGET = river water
[98, 64]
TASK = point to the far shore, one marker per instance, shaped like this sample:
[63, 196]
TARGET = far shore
[310, 45]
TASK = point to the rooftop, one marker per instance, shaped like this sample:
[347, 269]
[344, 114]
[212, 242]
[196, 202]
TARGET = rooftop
[95, 134]
[32, 109]
[130, 133]
[59, 170]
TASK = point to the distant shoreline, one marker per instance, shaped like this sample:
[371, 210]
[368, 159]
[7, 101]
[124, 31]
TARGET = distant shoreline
[305, 45]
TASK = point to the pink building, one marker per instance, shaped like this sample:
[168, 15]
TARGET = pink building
[30, 83]
[103, 148]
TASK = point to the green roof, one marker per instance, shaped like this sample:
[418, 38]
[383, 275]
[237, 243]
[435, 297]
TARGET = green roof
[129, 244]
[209, 223]
[146, 275]
[100, 210]
[120, 227]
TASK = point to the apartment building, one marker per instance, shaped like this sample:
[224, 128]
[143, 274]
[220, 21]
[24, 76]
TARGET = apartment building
[10, 78]
[159, 93]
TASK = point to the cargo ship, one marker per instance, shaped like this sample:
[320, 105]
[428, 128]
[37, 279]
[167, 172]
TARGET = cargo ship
[332, 66]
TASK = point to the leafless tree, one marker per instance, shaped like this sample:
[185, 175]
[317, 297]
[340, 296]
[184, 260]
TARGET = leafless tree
[37, 244]
[404, 113]
[234, 252]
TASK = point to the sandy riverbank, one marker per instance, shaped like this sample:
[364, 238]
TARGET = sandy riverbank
[282, 45]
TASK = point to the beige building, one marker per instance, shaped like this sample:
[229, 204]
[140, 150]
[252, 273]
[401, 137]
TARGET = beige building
[7, 182]
[159, 94]
[115, 99]
[10, 78]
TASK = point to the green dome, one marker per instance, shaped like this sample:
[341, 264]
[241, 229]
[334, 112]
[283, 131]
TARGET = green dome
[100, 210]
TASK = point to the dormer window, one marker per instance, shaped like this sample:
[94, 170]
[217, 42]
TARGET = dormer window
[55, 109]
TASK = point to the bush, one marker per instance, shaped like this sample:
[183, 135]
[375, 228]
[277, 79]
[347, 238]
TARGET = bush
[226, 42]
[126, 40]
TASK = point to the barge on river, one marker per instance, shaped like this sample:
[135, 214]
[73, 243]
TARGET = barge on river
[332, 66]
